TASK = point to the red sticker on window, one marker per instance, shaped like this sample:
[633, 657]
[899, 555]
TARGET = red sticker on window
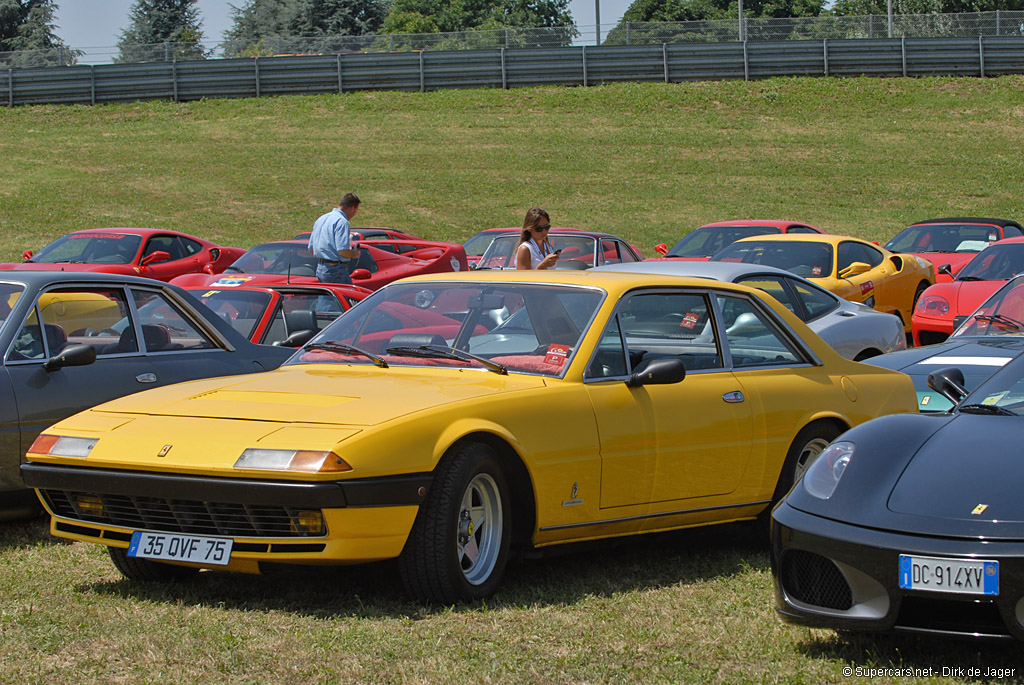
[557, 354]
[689, 320]
[816, 271]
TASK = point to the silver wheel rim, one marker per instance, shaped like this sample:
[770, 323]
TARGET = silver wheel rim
[811, 451]
[479, 528]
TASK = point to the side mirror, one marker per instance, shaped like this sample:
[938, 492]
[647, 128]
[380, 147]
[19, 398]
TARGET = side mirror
[949, 383]
[360, 274]
[662, 371]
[854, 269]
[27, 255]
[296, 339]
[208, 269]
[661, 248]
[76, 355]
[153, 257]
[745, 324]
[945, 269]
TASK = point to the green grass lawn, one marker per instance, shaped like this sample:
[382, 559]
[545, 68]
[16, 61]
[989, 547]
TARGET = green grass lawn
[650, 162]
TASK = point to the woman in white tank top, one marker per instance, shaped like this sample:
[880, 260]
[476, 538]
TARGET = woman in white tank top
[534, 250]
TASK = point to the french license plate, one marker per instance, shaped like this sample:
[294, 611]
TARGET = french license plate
[961, 576]
[199, 550]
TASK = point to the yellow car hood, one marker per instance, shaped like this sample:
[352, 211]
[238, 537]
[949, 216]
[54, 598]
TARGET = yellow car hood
[322, 394]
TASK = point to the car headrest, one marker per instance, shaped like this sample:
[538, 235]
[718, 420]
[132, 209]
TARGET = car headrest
[300, 320]
[156, 337]
[56, 338]
[416, 339]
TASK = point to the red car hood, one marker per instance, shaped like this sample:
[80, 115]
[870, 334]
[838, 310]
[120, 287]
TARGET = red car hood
[956, 261]
[965, 296]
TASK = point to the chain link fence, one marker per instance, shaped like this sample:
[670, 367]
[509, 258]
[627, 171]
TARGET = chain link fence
[964, 25]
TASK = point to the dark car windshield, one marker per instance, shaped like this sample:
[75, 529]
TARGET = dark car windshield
[521, 327]
[577, 252]
[1001, 394]
[803, 258]
[90, 248]
[708, 240]
[1000, 262]
[943, 238]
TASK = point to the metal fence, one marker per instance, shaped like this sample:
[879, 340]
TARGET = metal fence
[510, 68]
[965, 25]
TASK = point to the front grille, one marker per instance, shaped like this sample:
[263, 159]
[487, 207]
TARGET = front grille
[192, 517]
[812, 579]
[958, 616]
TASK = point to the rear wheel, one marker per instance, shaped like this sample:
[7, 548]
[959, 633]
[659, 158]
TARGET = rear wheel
[146, 570]
[458, 546]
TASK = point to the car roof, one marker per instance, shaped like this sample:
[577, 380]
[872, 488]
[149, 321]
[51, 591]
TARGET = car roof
[771, 223]
[805, 237]
[720, 271]
[145, 232]
[38, 278]
[574, 232]
[970, 220]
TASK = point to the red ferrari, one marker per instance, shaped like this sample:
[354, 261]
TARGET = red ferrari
[705, 241]
[943, 306]
[148, 252]
[374, 233]
[291, 262]
[950, 243]
[286, 314]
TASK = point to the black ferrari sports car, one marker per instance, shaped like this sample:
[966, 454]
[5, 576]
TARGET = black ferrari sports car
[913, 522]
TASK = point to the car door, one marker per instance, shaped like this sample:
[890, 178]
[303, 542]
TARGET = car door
[861, 287]
[662, 443]
[186, 256]
[72, 315]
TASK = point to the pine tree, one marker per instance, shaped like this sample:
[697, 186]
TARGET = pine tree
[27, 25]
[160, 30]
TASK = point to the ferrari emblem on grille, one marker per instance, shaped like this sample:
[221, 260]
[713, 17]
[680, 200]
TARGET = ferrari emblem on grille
[163, 452]
[980, 509]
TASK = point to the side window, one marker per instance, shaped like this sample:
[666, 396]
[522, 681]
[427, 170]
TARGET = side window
[800, 229]
[1011, 232]
[657, 325]
[774, 287]
[301, 312]
[72, 316]
[753, 340]
[816, 302]
[847, 255]
[610, 250]
[164, 327]
[190, 247]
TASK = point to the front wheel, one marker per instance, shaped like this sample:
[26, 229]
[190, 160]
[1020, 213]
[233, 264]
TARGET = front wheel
[458, 546]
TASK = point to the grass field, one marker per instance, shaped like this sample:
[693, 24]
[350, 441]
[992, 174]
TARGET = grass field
[650, 162]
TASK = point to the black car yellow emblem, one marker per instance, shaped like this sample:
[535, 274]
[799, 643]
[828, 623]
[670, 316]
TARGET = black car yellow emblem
[980, 509]
[163, 452]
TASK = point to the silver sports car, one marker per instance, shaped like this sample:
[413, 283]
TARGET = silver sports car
[854, 330]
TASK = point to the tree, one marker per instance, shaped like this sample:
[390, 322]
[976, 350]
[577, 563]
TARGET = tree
[260, 24]
[862, 7]
[447, 16]
[160, 30]
[28, 25]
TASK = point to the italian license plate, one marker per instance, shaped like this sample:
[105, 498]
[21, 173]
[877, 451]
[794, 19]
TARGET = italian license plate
[199, 550]
[960, 576]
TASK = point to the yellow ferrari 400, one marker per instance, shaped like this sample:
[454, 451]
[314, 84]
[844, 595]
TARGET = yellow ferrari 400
[443, 422]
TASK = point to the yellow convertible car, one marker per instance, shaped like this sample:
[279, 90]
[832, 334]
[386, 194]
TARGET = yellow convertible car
[443, 422]
[852, 268]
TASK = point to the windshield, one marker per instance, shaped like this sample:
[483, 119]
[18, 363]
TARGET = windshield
[943, 238]
[276, 258]
[807, 259]
[1000, 315]
[706, 241]
[577, 252]
[243, 309]
[9, 295]
[479, 243]
[1002, 394]
[525, 328]
[90, 248]
[1000, 262]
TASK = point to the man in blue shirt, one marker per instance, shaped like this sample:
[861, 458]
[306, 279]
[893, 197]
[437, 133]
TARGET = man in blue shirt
[331, 242]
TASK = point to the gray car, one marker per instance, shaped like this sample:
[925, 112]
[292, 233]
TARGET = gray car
[854, 330]
[73, 340]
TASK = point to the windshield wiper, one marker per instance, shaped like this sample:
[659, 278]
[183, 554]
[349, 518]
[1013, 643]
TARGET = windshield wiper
[332, 346]
[969, 278]
[446, 353]
[1003, 319]
[986, 409]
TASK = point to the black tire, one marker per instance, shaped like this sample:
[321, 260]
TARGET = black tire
[457, 551]
[149, 571]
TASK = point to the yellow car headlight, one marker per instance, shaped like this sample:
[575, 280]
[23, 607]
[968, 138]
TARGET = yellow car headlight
[62, 446]
[307, 461]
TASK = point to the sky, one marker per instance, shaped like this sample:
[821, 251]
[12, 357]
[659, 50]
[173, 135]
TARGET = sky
[95, 25]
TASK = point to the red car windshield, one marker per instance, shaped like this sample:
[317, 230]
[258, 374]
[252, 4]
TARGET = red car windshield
[90, 248]
[995, 263]
[706, 241]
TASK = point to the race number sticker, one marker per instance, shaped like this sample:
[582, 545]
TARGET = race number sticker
[557, 354]
[228, 282]
[866, 287]
[689, 320]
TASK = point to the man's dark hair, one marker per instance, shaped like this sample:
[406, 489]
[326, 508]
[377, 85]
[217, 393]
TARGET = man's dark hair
[349, 200]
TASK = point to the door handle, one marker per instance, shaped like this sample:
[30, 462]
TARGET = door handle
[733, 397]
[146, 378]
